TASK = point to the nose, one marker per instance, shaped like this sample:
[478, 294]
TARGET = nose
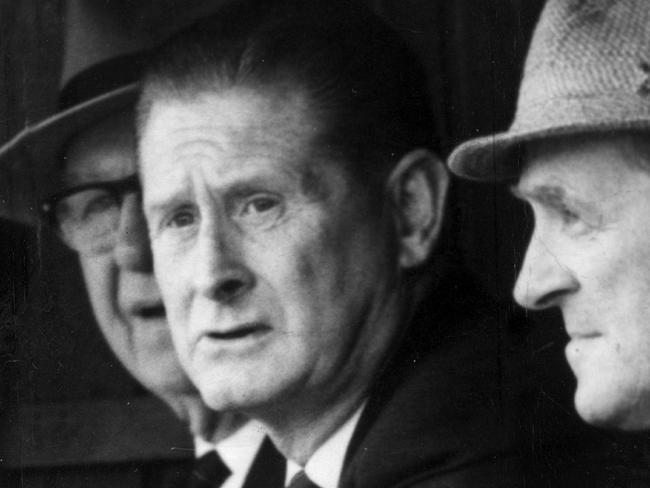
[132, 250]
[220, 272]
[544, 281]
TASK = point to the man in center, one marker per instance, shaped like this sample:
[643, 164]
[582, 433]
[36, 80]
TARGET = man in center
[293, 202]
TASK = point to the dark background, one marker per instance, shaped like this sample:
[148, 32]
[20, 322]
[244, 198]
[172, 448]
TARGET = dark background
[67, 407]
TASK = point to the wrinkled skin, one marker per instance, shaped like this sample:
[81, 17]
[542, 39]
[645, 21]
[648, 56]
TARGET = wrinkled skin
[120, 284]
[590, 256]
[278, 274]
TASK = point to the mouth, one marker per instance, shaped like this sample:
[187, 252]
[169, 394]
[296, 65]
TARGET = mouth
[150, 311]
[584, 335]
[242, 331]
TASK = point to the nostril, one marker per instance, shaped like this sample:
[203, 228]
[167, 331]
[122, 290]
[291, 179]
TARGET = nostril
[230, 288]
[550, 299]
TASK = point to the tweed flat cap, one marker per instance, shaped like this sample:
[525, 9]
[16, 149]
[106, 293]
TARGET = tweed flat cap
[587, 70]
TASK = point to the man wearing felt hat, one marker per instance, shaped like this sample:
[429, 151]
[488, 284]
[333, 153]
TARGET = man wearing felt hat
[78, 166]
[578, 149]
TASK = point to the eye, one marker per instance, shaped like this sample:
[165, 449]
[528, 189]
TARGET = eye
[85, 205]
[573, 221]
[98, 205]
[259, 205]
[569, 216]
[181, 218]
[260, 209]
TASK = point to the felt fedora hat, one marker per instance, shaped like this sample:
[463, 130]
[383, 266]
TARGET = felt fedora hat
[105, 49]
[102, 62]
[587, 71]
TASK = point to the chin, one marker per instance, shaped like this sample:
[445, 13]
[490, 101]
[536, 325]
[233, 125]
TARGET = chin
[245, 384]
[173, 385]
[163, 375]
[228, 393]
[237, 399]
[611, 409]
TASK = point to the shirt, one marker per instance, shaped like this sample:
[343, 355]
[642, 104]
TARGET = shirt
[237, 451]
[325, 465]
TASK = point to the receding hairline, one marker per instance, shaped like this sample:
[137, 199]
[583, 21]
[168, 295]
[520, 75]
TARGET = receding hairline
[284, 90]
[286, 87]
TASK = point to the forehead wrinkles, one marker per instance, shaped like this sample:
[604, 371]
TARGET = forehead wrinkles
[239, 124]
[270, 117]
[543, 182]
[608, 151]
[231, 137]
[594, 174]
[239, 143]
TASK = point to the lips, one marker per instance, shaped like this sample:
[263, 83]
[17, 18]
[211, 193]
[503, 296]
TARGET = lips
[147, 311]
[580, 334]
[240, 331]
[580, 327]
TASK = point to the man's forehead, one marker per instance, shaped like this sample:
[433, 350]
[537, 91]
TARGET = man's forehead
[580, 164]
[544, 170]
[226, 131]
[235, 115]
[103, 152]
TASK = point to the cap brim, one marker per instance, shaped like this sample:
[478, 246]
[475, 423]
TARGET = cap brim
[500, 156]
[28, 162]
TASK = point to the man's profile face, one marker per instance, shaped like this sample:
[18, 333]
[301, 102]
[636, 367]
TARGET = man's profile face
[120, 283]
[277, 273]
[590, 256]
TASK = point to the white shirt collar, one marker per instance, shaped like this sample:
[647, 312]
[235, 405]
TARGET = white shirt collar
[325, 465]
[237, 451]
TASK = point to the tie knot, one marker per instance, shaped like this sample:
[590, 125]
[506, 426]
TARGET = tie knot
[209, 471]
[300, 480]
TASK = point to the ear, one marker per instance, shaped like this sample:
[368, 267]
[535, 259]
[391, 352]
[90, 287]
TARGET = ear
[418, 188]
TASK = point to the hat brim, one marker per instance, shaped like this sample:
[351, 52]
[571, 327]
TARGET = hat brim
[29, 162]
[499, 156]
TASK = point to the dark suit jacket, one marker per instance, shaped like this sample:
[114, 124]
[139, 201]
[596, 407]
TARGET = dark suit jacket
[447, 410]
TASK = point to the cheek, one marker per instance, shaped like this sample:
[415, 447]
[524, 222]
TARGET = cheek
[328, 273]
[616, 283]
[100, 277]
[171, 274]
[314, 258]
[619, 276]
[299, 276]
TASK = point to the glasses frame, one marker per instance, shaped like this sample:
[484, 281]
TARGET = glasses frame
[118, 189]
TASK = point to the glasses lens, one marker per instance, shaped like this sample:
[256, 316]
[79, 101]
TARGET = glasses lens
[88, 220]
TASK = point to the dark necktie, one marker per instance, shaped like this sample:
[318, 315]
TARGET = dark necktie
[209, 472]
[268, 469]
[300, 480]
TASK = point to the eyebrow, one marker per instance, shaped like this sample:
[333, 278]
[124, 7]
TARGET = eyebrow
[550, 195]
[238, 188]
[160, 206]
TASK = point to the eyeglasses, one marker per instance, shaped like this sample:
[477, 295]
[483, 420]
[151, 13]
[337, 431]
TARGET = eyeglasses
[88, 216]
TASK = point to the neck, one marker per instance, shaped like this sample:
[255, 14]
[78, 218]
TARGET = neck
[299, 427]
[297, 437]
[201, 420]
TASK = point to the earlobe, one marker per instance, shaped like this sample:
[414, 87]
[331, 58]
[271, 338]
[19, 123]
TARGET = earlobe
[418, 188]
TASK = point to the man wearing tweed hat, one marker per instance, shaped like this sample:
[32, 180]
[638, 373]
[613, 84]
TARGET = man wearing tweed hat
[579, 149]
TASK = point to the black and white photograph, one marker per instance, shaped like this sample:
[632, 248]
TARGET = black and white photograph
[324, 243]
